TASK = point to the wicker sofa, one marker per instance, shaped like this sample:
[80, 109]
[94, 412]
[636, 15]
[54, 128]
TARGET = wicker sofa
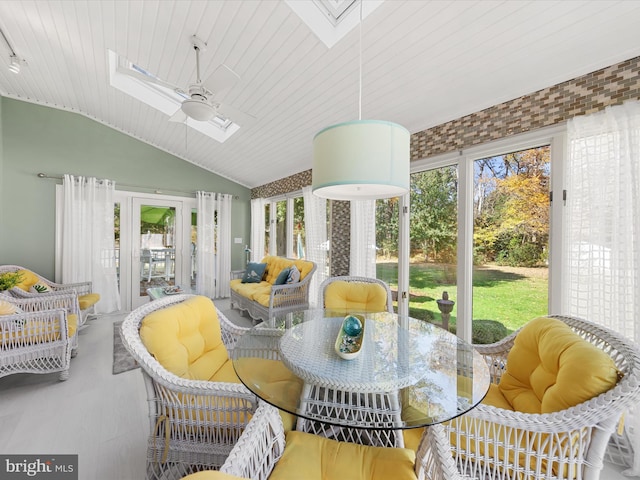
[85, 297]
[38, 335]
[265, 299]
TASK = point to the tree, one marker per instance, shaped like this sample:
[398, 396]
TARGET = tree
[387, 226]
[512, 208]
[434, 197]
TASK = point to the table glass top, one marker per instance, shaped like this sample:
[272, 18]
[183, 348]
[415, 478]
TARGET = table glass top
[432, 374]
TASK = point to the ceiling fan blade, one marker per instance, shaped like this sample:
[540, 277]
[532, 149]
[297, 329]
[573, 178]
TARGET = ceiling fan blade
[236, 116]
[221, 79]
[178, 117]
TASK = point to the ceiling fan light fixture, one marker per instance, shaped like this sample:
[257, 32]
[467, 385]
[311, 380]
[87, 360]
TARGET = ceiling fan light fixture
[198, 110]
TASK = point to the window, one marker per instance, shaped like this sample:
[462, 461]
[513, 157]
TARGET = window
[505, 231]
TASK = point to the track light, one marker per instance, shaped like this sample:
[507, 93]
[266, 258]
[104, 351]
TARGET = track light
[15, 64]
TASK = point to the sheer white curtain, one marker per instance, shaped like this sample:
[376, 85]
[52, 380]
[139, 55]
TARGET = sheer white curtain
[213, 248]
[257, 229]
[362, 262]
[601, 257]
[316, 244]
[88, 245]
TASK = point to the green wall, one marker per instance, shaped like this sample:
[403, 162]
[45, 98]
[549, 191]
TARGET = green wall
[36, 139]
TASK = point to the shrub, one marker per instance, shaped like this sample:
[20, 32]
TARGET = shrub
[9, 280]
[485, 331]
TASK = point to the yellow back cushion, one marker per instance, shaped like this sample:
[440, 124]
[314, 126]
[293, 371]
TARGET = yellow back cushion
[344, 296]
[310, 457]
[185, 338]
[551, 368]
[276, 264]
[27, 280]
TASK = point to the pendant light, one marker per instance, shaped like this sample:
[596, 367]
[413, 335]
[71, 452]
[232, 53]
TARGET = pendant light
[361, 159]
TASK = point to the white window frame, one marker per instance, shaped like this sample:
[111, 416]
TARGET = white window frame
[272, 202]
[555, 137]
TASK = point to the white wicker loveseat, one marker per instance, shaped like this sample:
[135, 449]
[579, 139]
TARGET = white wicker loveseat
[85, 297]
[266, 299]
[495, 443]
[197, 406]
[40, 338]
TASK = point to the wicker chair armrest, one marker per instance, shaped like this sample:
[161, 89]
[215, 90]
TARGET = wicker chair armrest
[605, 407]
[433, 456]
[50, 325]
[81, 288]
[32, 302]
[289, 294]
[202, 388]
[237, 274]
[287, 289]
[264, 343]
[259, 447]
[230, 331]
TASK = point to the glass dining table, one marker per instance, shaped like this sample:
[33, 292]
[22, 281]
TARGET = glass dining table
[408, 374]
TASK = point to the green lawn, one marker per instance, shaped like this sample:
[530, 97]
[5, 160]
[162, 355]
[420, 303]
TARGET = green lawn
[512, 296]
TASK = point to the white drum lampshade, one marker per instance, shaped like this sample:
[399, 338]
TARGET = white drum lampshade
[361, 160]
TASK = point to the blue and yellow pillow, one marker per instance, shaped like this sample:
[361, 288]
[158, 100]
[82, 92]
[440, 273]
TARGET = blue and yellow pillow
[282, 276]
[254, 272]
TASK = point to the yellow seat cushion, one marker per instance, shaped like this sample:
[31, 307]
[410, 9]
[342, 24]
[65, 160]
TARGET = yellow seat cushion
[36, 331]
[274, 380]
[27, 279]
[250, 290]
[88, 300]
[313, 457]
[342, 296]
[185, 338]
[211, 475]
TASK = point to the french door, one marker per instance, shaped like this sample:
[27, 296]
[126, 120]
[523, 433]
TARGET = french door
[160, 246]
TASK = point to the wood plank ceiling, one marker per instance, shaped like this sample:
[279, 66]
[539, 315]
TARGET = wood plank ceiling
[425, 62]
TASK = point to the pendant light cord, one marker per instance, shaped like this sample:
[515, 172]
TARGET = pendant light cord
[360, 55]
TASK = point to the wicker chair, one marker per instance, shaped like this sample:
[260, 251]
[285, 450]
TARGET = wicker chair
[265, 447]
[355, 293]
[193, 423]
[40, 339]
[85, 298]
[570, 443]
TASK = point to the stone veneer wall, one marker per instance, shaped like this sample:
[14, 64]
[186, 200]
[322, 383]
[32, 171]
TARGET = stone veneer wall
[583, 95]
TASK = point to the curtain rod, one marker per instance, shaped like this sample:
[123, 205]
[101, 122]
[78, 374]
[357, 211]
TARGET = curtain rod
[157, 191]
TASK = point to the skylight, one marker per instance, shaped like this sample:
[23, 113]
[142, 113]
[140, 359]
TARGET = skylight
[146, 87]
[331, 20]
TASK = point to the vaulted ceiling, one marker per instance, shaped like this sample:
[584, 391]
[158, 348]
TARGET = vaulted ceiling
[424, 62]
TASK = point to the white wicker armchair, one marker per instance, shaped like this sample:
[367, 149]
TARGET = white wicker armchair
[568, 444]
[193, 423]
[85, 298]
[40, 339]
[264, 442]
[368, 291]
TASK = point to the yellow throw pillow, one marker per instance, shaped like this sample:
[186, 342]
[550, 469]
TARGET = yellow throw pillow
[8, 308]
[27, 279]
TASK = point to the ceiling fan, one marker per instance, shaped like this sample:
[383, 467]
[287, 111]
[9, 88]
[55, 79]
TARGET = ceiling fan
[200, 103]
